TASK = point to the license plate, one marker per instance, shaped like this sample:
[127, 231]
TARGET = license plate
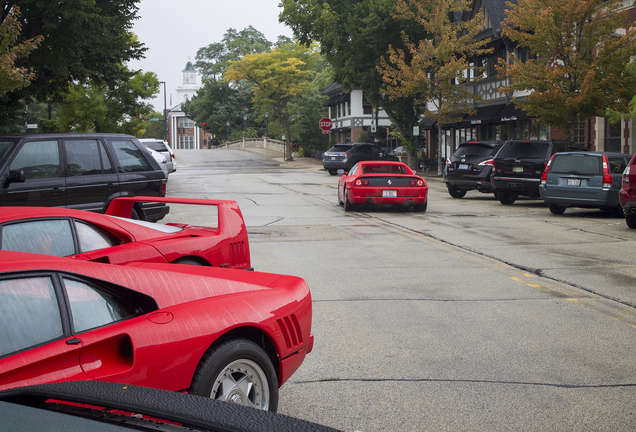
[574, 182]
[463, 166]
[389, 194]
[332, 158]
[517, 169]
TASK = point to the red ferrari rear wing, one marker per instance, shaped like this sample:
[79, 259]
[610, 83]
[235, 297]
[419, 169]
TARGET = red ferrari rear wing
[231, 229]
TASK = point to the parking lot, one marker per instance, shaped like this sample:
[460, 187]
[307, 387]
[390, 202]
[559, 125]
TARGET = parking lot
[470, 316]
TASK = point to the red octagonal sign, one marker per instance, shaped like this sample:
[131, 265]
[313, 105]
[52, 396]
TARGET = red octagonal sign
[326, 124]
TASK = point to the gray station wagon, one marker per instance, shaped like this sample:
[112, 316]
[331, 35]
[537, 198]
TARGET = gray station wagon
[583, 179]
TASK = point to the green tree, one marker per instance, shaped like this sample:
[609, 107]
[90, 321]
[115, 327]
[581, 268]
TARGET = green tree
[433, 70]
[278, 77]
[100, 108]
[578, 52]
[213, 60]
[82, 40]
[353, 36]
[13, 77]
[154, 129]
[218, 102]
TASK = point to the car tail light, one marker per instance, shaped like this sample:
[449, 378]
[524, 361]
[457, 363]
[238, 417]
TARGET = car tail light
[489, 162]
[626, 177]
[365, 182]
[607, 177]
[417, 182]
[361, 182]
[448, 161]
[164, 187]
[544, 175]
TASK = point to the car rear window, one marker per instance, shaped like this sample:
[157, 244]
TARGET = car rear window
[340, 148]
[473, 149]
[383, 169]
[576, 164]
[524, 149]
[156, 146]
[617, 164]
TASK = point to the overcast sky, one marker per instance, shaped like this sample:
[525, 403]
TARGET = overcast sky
[174, 30]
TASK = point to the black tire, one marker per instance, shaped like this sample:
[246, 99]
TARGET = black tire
[333, 172]
[347, 205]
[506, 197]
[187, 261]
[556, 209]
[233, 362]
[421, 207]
[630, 219]
[456, 192]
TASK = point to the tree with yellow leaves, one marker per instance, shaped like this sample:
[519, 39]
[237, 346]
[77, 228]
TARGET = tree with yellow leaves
[278, 77]
[11, 76]
[433, 70]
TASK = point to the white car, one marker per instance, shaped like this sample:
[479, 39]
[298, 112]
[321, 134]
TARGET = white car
[163, 148]
[161, 160]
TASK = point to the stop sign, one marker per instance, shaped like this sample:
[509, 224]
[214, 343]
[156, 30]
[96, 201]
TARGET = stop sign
[325, 124]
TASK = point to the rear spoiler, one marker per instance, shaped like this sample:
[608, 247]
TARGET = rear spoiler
[123, 206]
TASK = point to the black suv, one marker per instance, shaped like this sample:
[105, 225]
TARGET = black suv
[345, 156]
[79, 170]
[519, 165]
[469, 168]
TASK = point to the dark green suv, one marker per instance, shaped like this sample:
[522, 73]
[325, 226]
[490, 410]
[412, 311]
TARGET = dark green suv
[79, 170]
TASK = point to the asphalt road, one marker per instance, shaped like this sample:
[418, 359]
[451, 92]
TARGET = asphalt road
[470, 316]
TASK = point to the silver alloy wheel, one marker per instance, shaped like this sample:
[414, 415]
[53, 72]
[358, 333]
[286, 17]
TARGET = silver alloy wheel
[242, 382]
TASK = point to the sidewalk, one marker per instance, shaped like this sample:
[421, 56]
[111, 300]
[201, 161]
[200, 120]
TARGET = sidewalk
[316, 165]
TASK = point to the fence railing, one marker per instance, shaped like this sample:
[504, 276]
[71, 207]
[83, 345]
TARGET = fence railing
[255, 143]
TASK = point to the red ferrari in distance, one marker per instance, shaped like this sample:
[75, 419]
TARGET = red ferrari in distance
[110, 239]
[231, 335]
[382, 183]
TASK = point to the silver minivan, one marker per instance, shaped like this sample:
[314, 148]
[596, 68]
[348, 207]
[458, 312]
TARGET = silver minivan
[583, 179]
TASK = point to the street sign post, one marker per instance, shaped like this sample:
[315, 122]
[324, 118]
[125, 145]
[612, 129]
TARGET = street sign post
[325, 124]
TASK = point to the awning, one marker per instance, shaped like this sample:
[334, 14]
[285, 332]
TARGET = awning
[427, 123]
[338, 99]
[458, 122]
[511, 113]
[484, 114]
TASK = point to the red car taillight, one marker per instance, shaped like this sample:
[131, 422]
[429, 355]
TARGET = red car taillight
[448, 161]
[607, 177]
[361, 182]
[544, 175]
[164, 186]
[489, 162]
[417, 182]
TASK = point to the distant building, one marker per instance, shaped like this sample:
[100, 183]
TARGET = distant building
[182, 133]
[352, 114]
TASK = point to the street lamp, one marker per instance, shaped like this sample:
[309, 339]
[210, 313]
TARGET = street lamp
[228, 131]
[245, 126]
[165, 120]
[266, 125]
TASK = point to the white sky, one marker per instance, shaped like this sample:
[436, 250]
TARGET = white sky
[174, 30]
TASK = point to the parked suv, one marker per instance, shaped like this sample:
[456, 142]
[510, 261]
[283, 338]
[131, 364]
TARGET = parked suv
[469, 168]
[627, 194]
[344, 156]
[583, 179]
[79, 170]
[519, 165]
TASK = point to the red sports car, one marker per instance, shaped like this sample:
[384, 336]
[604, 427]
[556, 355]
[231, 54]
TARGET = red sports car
[109, 238]
[231, 335]
[382, 183]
